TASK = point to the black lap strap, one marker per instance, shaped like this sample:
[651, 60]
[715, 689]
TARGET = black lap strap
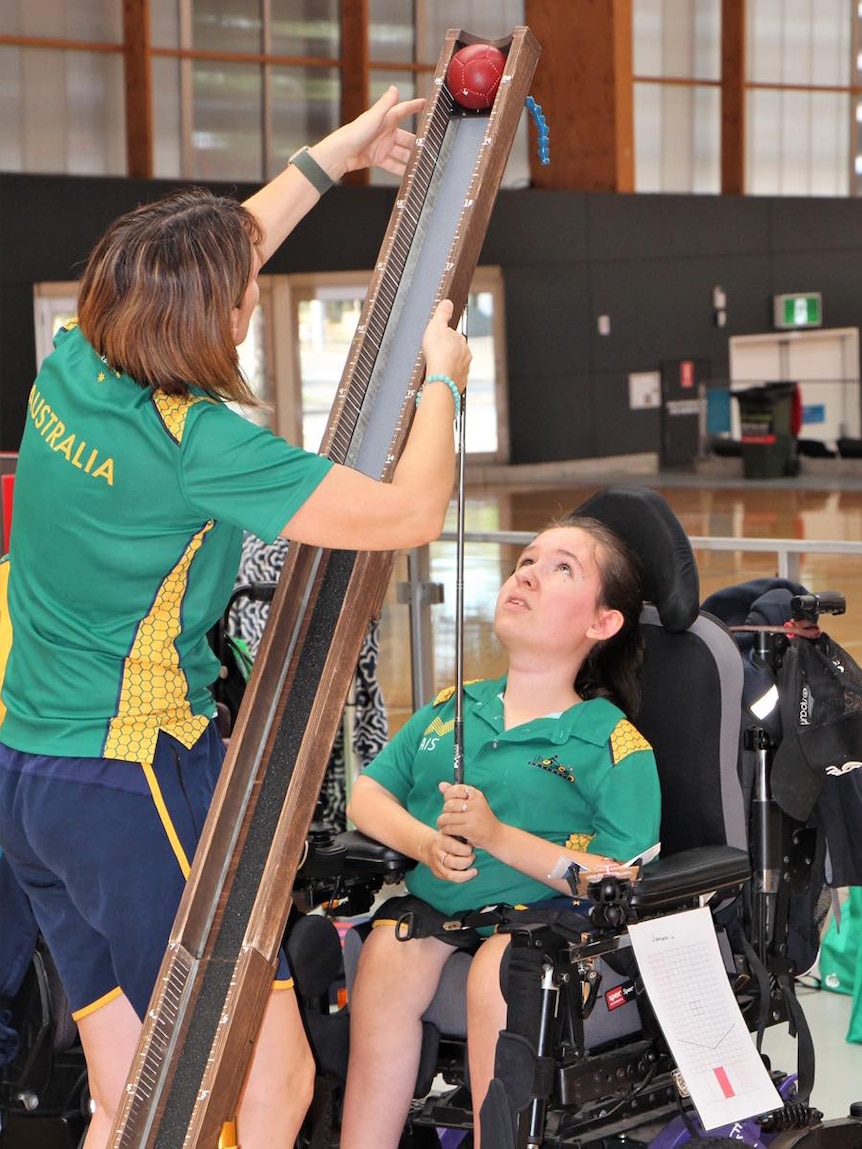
[523, 990]
[521, 1074]
[414, 918]
[797, 1022]
[804, 1042]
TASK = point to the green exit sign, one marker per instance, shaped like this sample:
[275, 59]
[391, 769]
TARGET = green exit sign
[790, 311]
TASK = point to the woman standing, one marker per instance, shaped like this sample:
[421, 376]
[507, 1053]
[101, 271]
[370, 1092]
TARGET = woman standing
[135, 482]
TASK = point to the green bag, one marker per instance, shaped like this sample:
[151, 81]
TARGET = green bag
[841, 959]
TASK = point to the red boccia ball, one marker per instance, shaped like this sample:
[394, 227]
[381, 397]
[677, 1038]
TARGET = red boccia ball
[473, 75]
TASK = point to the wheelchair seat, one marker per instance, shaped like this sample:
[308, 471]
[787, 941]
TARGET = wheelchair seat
[44, 1099]
[691, 713]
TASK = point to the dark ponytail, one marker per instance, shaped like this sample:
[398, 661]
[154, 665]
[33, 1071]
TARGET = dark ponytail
[612, 668]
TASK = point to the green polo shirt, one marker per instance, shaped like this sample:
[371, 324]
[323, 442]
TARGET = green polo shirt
[130, 507]
[586, 778]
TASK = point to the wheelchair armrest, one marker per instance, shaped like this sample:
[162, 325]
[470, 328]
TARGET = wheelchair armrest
[324, 859]
[700, 871]
[367, 856]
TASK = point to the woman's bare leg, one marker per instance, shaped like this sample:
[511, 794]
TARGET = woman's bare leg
[280, 1081]
[276, 1094]
[394, 985]
[109, 1037]
[486, 1016]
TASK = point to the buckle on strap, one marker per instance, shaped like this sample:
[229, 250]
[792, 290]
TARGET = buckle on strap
[405, 927]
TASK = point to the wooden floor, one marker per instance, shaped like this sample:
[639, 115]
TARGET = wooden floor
[778, 509]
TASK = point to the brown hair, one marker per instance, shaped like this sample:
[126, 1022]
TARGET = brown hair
[159, 289]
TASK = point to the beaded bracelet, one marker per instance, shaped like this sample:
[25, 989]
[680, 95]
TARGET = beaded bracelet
[450, 383]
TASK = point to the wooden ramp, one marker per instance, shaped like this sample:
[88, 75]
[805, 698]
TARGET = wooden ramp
[217, 972]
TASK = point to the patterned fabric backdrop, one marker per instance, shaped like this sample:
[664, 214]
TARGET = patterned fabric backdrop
[365, 729]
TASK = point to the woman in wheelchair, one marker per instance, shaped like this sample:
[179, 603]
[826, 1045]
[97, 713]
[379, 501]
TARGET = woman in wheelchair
[558, 785]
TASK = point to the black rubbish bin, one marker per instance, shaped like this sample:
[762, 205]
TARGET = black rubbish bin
[766, 431]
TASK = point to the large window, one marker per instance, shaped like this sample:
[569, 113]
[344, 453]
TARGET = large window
[237, 85]
[62, 99]
[297, 345]
[240, 84]
[803, 97]
[801, 109]
[677, 97]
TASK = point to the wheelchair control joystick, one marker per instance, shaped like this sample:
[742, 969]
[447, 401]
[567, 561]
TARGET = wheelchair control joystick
[610, 896]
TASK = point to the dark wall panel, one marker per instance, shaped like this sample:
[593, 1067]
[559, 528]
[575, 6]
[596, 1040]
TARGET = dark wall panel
[547, 319]
[805, 224]
[618, 429]
[17, 357]
[50, 223]
[551, 417]
[658, 302]
[664, 226]
[343, 233]
[649, 262]
[530, 227]
[747, 280]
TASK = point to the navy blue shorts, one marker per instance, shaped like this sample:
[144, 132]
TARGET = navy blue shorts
[18, 932]
[102, 849]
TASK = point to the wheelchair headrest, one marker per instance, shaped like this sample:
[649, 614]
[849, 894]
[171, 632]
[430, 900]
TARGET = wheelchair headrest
[642, 518]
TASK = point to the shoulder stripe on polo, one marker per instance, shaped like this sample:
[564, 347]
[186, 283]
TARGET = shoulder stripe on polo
[173, 410]
[447, 692]
[579, 842]
[436, 726]
[154, 692]
[626, 739]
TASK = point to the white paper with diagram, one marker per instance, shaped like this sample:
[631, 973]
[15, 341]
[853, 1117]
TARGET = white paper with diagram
[687, 984]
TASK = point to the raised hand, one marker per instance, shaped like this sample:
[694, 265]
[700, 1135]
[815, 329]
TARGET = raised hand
[375, 138]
